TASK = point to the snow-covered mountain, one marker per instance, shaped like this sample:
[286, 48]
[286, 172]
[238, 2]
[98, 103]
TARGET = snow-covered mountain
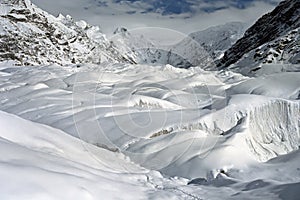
[200, 48]
[273, 39]
[30, 36]
[153, 51]
[216, 40]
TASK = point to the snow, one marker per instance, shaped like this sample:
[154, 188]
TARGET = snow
[115, 130]
[285, 85]
[45, 163]
[142, 120]
[165, 46]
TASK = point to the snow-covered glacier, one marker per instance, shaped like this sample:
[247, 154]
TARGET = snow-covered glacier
[81, 119]
[185, 123]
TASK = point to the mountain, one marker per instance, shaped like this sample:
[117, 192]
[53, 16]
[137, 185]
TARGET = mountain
[281, 54]
[274, 37]
[216, 40]
[153, 51]
[31, 36]
[199, 48]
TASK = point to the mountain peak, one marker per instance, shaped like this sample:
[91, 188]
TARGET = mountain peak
[31, 36]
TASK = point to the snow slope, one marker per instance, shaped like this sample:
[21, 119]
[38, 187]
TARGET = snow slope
[45, 163]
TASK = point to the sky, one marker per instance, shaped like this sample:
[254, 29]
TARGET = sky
[184, 16]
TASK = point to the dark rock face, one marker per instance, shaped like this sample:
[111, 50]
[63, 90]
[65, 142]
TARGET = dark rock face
[284, 18]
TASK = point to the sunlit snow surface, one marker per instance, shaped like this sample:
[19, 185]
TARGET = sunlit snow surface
[154, 129]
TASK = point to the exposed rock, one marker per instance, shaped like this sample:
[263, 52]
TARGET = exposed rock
[283, 19]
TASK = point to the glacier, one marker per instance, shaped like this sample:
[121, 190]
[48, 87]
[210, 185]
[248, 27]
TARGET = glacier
[121, 118]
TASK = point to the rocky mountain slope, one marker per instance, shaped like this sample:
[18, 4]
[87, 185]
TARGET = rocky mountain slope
[31, 36]
[279, 55]
[274, 37]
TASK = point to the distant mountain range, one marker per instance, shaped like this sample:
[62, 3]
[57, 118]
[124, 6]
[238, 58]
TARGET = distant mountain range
[200, 48]
[271, 45]
[31, 36]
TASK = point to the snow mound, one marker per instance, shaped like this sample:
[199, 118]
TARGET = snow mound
[282, 85]
[45, 163]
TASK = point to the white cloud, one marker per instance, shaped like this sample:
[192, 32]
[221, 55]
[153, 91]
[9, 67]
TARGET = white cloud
[103, 17]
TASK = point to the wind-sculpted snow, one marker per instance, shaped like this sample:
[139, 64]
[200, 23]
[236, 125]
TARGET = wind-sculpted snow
[209, 127]
[97, 125]
[45, 163]
[284, 85]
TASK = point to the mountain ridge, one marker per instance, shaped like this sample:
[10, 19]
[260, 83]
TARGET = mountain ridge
[31, 36]
[283, 19]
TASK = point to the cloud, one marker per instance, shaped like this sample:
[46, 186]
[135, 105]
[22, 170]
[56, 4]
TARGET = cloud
[110, 16]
